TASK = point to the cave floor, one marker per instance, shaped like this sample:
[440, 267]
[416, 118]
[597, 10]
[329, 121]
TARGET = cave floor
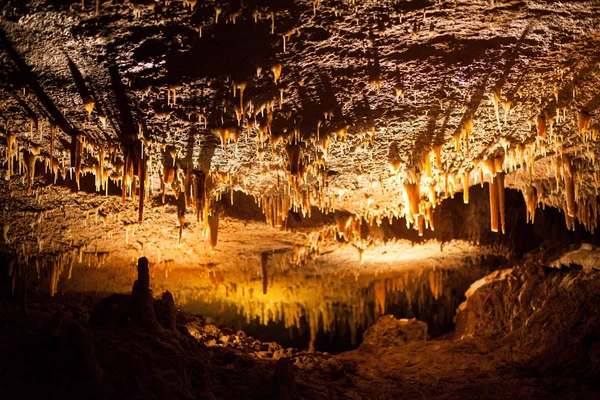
[37, 359]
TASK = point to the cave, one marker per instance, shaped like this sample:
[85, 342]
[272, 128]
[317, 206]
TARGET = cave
[299, 199]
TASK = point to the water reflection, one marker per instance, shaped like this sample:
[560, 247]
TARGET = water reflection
[305, 307]
[316, 305]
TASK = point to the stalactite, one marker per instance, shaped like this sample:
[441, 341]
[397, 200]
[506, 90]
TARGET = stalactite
[399, 93]
[569, 178]
[437, 151]
[11, 146]
[213, 229]
[293, 153]
[530, 197]
[78, 156]
[413, 194]
[29, 159]
[467, 129]
[143, 177]
[507, 105]
[457, 136]
[276, 69]
[427, 163]
[583, 121]
[541, 126]
[89, 106]
[493, 189]
[466, 184]
[495, 96]
[501, 203]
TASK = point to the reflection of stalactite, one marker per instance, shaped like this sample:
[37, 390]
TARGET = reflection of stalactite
[264, 258]
[379, 289]
[181, 202]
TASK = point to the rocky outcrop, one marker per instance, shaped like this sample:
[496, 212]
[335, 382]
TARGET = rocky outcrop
[547, 318]
[166, 312]
[389, 331]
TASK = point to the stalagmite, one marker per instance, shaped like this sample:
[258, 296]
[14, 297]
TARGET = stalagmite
[142, 303]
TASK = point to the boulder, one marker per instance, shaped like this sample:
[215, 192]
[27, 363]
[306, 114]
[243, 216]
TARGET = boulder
[389, 331]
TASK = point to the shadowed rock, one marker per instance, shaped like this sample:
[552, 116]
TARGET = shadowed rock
[166, 312]
[142, 303]
[86, 363]
[114, 309]
[285, 384]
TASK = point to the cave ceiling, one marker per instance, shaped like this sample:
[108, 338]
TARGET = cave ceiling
[146, 127]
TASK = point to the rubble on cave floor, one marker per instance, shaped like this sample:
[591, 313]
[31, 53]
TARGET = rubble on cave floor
[79, 345]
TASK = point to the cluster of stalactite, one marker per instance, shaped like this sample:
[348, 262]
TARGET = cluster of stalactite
[302, 154]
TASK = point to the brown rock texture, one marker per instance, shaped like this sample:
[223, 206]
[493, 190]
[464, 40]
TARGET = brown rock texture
[547, 317]
[389, 331]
